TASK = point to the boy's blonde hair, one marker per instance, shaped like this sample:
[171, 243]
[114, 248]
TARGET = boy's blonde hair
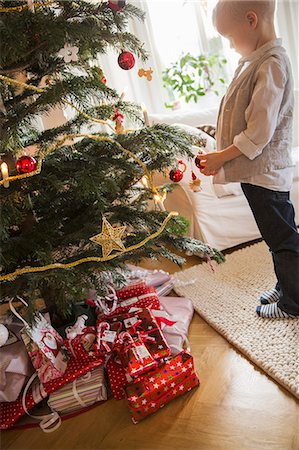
[237, 9]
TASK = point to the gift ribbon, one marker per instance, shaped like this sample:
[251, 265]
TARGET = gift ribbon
[132, 300]
[143, 337]
[101, 302]
[125, 336]
[47, 420]
[77, 328]
[101, 328]
[85, 377]
[168, 322]
[133, 328]
[14, 311]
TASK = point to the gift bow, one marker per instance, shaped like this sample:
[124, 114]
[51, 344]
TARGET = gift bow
[101, 302]
[77, 328]
[131, 344]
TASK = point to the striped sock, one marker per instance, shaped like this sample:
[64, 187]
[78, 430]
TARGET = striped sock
[272, 311]
[271, 296]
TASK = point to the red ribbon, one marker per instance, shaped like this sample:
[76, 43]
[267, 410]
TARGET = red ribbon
[101, 328]
[164, 320]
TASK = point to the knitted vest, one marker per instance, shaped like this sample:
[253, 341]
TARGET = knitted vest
[277, 153]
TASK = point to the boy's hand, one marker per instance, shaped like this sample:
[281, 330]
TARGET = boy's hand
[211, 163]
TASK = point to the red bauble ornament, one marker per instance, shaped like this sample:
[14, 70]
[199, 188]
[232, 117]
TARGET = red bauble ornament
[104, 80]
[198, 162]
[117, 5]
[126, 60]
[26, 164]
[176, 175]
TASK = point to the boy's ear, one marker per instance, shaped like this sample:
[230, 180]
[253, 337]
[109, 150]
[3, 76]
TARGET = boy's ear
[252, 18]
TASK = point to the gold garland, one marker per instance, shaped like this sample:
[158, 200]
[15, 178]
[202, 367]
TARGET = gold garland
[19, 272]
[90, 136]
[71, 136]
[52, 148]
[23, 7]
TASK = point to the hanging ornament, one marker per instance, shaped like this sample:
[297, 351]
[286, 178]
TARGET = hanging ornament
[3, 334]
[148, 74]
[126, 60]
[69, 53]
[118, 118]
[177, 174]
[117, 5]
[195, 183]
[197, 161]
[109, 238]
[104, 80]
[45, 82]
[26, 164]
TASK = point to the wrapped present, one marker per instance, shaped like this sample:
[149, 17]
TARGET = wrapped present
[133, 353]
[117, 377]
[150, 277]
[84, 391]
[133, 289]
[11, 412]
[145, 331]
[126, 299]
[80, 339]
[16, 366]
[152, 391]
[181, 311]
[107, 334]
[44, 345]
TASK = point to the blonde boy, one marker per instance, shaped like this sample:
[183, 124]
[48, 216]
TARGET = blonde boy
[254, 141]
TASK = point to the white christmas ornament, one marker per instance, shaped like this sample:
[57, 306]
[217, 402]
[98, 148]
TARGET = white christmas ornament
[69, 53]
[3, 334]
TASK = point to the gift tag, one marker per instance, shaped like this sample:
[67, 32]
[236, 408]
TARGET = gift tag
[128, 323]
[160, 313]
[109, 336]
[142, 351]
[131, 310]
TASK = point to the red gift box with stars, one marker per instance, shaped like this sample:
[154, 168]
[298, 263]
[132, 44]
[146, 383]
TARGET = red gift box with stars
[152, 391]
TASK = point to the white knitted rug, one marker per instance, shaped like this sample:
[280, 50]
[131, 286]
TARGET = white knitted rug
[227, 298]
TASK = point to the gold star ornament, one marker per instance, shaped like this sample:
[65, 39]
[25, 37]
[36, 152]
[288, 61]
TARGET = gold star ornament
[109, 238]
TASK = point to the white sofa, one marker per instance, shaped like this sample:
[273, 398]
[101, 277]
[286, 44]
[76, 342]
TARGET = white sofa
[218, 215]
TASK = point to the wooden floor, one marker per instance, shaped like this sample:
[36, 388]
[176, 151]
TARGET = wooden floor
[237, 407]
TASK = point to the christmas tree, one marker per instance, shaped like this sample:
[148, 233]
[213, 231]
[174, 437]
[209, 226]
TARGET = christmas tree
[73, 207]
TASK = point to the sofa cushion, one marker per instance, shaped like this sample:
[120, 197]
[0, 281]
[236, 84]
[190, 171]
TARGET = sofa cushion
[191, 118]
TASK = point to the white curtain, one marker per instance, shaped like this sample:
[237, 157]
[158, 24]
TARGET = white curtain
[175, 26]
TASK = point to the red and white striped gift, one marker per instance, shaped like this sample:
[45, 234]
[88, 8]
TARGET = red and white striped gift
[82, 392]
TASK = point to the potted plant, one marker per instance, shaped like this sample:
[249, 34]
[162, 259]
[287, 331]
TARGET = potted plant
[193, 76]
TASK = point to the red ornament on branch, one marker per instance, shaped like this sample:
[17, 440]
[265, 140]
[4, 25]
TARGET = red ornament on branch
[117, 5]
[198, 161]
[177, 174]
[26, 164]
[126, 60]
